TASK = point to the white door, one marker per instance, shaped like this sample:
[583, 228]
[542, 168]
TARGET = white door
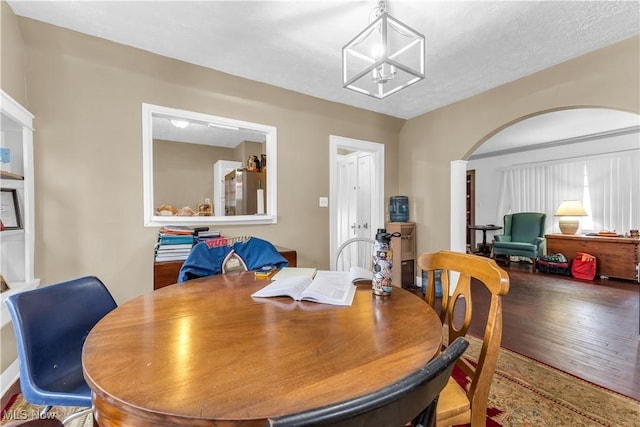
[220, 169]
[365, 207]
[347, 196]
[354, 207]
[357, 189]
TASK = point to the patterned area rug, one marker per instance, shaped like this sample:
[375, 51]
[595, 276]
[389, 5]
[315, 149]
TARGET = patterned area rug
[19, 409]
[523, 393]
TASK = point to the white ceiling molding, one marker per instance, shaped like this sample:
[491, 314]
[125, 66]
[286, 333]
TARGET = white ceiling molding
[558, 143]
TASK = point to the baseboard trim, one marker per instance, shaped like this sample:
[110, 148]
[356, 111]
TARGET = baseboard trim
[9, 377]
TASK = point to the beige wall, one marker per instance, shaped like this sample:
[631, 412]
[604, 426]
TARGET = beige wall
[12, 81]
[12, 62]
[183, 172]
[86, 95]
[606, 78]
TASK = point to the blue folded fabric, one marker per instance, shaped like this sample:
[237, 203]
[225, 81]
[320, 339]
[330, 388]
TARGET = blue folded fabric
[207, 259]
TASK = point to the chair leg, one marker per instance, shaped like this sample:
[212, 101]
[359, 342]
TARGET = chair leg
[427, 418]
[502, 260]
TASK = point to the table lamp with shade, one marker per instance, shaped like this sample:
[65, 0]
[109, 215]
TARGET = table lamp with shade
[569, 211]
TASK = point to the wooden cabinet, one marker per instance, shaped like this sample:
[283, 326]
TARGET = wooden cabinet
[615, 256]
[404, 253]
[17, 240]
[166, 273]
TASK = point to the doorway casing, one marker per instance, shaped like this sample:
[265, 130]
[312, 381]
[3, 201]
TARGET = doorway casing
[337, 143]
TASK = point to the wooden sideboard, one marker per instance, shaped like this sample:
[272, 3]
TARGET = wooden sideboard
[166, 273]
[615, 256]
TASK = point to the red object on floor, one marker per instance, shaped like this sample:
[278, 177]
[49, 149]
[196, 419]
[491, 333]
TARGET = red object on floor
[584, 266]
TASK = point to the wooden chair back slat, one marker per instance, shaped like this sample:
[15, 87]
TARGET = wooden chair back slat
[495, 279]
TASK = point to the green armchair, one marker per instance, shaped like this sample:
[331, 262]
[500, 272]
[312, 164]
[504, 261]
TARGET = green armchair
[523, 236]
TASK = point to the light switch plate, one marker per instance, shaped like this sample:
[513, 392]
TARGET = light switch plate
[323, 202]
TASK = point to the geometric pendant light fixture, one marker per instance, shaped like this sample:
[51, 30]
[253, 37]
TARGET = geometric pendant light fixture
[385, 57]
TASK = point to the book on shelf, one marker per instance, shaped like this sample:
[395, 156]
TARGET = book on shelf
[175, 239]
[174, 247]
[174, 243]
[326, 287]
[164, 254]
[164, 251]
[209, 234]
[178, 230]
[161, 258]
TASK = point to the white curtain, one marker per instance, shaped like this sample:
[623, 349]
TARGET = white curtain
[540, 188]
[614, 190]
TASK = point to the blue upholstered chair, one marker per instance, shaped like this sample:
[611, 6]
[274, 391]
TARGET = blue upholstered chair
[413, 398]
[51, 324]
[523, 236]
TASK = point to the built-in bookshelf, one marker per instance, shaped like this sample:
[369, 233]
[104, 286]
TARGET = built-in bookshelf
[9, 175]
[17, 240]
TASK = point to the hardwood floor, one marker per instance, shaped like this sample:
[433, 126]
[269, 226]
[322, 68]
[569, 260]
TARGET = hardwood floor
[588, 329]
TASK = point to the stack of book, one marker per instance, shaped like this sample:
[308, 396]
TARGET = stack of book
[210, 236]
[174, 243]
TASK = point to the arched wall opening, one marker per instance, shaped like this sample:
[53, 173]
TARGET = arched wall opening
[589, 131]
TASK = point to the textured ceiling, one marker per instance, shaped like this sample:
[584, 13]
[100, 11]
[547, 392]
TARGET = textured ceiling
[471, 46]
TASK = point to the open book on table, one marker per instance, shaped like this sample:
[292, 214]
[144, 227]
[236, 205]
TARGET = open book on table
[359, 274]
[289, 272]
[327, 287]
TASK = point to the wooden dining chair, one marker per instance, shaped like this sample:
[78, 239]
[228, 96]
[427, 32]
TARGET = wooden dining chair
[456, 405]
[412, 399]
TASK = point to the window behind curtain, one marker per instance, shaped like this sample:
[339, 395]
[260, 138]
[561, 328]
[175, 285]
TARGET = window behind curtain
[608, 186]
[614, 189]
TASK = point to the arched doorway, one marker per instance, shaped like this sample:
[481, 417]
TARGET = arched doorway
[561, 132]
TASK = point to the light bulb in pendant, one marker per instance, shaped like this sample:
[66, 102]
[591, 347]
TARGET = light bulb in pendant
[377, 51]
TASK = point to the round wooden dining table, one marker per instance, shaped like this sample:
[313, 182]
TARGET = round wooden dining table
[206, 353]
